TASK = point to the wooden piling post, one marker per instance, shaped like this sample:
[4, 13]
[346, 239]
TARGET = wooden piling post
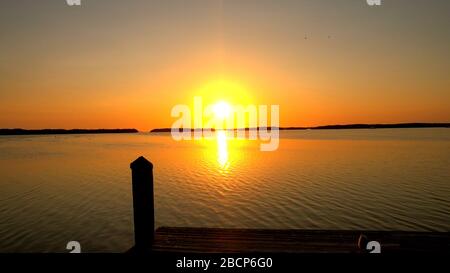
[143, 204]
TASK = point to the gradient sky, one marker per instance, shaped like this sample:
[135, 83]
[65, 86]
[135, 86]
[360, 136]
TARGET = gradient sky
[110, 64]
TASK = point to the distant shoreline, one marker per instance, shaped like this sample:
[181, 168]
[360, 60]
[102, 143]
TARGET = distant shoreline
[7, 132]
[327, 127]
[19, 131]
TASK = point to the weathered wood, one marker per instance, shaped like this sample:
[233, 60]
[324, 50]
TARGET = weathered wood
[219, 240]
[143, 204]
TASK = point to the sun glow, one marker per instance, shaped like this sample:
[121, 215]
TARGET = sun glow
[222, 110]
[224, 90]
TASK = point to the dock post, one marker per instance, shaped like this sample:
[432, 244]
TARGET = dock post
[143, 204]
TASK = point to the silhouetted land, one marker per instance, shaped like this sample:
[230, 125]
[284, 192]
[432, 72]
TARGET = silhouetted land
[64, 131]
[344, 126]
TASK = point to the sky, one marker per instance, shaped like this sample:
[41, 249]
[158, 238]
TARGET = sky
[125, 64]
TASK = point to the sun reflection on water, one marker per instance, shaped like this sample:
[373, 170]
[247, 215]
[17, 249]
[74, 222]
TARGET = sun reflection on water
[222, 149]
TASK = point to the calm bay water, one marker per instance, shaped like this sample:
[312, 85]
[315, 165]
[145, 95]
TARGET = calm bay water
[55, 189]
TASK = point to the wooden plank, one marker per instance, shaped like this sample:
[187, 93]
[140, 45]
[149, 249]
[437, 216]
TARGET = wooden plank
[220, 240]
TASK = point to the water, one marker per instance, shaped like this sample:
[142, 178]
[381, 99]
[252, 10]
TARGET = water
[56, 189]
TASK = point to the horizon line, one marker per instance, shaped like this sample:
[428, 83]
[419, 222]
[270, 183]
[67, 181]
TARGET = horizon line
[330, 126]
[327, 126]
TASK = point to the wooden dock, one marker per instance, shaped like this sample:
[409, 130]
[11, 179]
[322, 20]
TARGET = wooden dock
[220, 240]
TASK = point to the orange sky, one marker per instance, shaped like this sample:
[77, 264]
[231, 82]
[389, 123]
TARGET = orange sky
[110, 64]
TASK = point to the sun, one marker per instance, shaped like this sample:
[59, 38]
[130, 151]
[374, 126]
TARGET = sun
[222, 110]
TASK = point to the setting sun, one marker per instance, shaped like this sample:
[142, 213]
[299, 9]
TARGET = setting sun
[222, 110]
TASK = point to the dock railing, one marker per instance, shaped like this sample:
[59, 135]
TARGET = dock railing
[143, 203]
